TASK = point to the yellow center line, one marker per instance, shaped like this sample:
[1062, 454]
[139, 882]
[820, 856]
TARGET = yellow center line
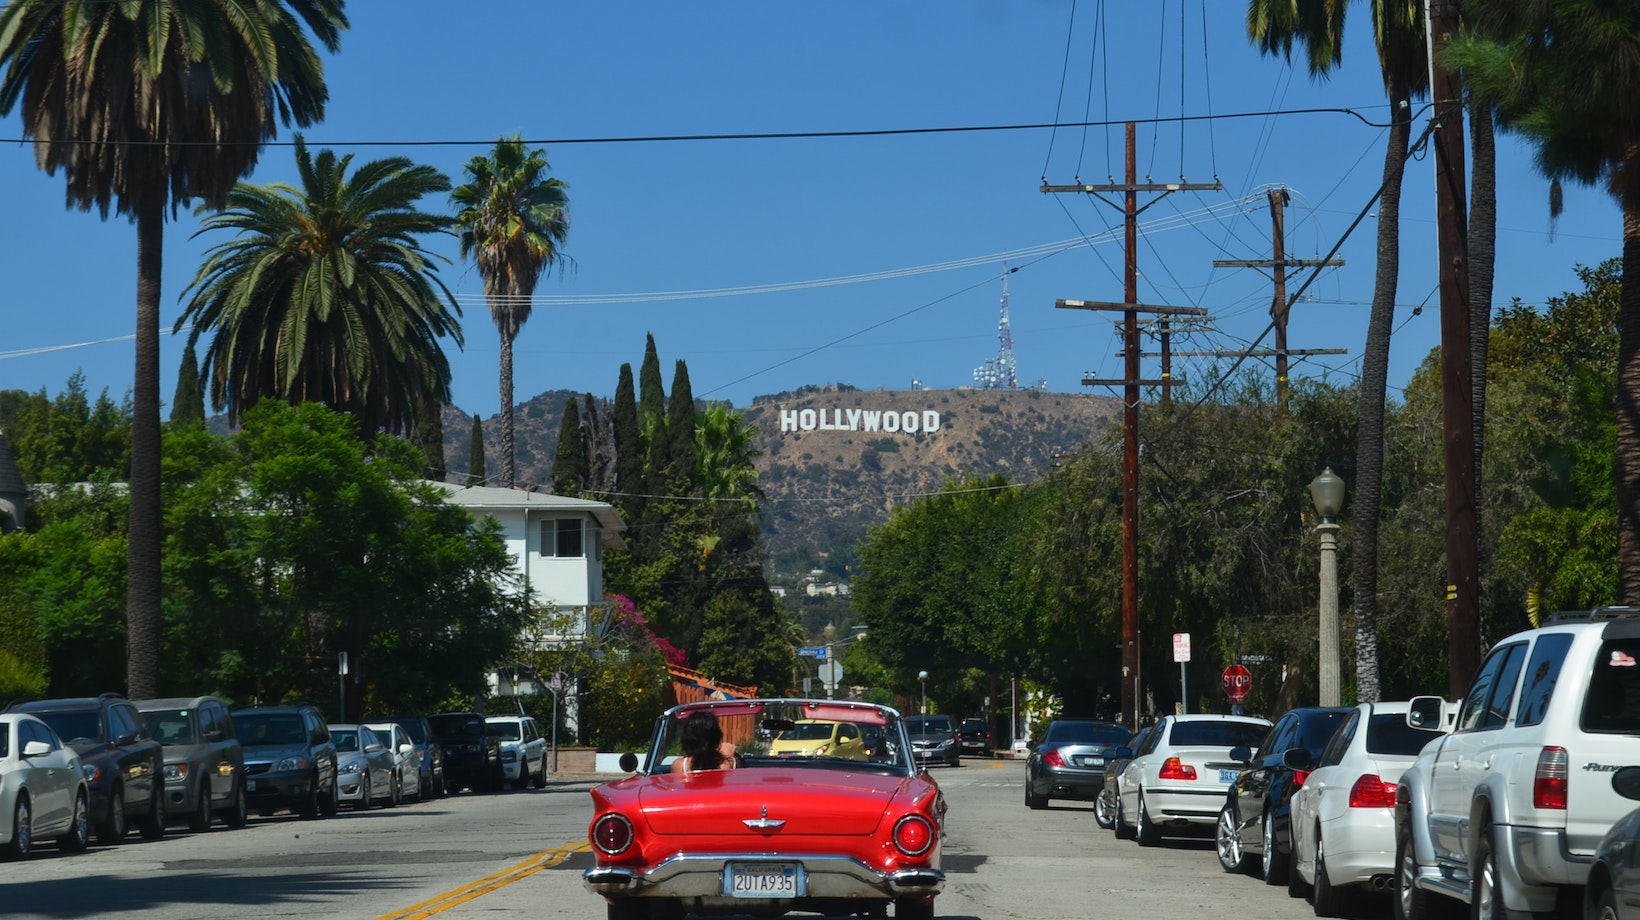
[489, 883]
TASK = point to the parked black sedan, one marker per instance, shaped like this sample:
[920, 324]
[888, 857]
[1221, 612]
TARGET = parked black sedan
[1256, 817]
[1070, 761]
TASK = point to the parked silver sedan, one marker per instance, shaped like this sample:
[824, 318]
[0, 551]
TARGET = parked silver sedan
[42, 790]
[364, 768]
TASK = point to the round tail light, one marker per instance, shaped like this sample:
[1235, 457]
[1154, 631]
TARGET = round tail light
[913, 835]
[612, 834]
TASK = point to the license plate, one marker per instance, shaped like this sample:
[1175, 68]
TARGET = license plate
[1227, 776]
[250, 785]
[764, 880]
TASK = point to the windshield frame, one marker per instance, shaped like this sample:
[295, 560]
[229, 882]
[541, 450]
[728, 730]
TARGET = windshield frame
[766, 714]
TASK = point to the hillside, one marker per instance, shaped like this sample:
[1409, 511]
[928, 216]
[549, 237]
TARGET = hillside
[833, 461]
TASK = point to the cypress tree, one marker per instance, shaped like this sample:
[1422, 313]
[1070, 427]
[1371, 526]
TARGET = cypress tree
[651, 398]
[475, 455]
[652, 420]
[594, 446]
[428, 434]
[569, 473]
[629, 459]
[189, 403]
[680, 427]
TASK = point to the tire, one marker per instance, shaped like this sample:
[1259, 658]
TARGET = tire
[1233, 856]
[330, 805]
[1327, 900]
[22, 830]
[1411, 903]
[395, 791]
[365, 798]
[112, 829]
[1485, 893]
[1604, 902]
[1032, 800]
[200, 820]
[523, 780]
[236, 815]
[79, 830]
[1147, 832]
[1120, 829]
[1103, 814]
[539, 780]
[308, 807]
[913, 909]
[1272, 863]
[152, 824]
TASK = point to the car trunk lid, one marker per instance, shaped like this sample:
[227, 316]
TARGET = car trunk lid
[768, 801]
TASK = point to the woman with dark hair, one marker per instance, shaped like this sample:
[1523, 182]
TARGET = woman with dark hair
[703, 745]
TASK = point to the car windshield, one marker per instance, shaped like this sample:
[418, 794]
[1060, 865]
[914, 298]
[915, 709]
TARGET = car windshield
[509, 731]
[766, 733]
[256, 728]
[171, 726]
[1213, 733]
[1100, 733]
[347, 739]
[459, 725]
[924, 725]
[74, 726]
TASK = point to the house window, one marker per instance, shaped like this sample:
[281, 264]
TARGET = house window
[561, 537]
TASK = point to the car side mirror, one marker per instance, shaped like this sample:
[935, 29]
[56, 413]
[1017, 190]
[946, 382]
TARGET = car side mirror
[1297, 759]
[1426, 713]
[1241, 753]
[629, 762]
[36, 749]
[1123, 753]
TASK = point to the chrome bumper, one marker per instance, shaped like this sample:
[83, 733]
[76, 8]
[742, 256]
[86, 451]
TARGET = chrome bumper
[701, 877]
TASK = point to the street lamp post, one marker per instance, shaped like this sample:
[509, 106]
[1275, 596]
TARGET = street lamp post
[922, 678]
[1327, 491]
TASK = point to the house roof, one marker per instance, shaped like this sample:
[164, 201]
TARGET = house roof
[488, 499]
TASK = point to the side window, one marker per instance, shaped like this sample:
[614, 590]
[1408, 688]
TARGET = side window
[1268, 743]
[1503, 689]
[1613, 700]
[1334, 751]
[124, 722]
[1154, 739]
[1473, 712]
[210, 720]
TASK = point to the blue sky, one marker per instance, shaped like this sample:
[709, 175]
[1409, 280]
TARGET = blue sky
[769, 264]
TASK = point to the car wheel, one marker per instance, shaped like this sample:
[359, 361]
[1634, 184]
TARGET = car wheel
[237, 814]
[1120, 828]
[523, 780]
[1147, 832]
[365, 798]
[913, 909]
[1227, 841]
[152, 825]
[395, 793]
[79, 830]
[330, 805]
[1486, 895]
[1604, 901]
[498, 777]
[22, 829]
[1273, 863]
[539, 780]
[1327, 900]
[1032, 799]
[112, 830]
[308, 807]
[200, 820]
[1103, 814]
[443, 788]
[1296, 886]
[1411, 902]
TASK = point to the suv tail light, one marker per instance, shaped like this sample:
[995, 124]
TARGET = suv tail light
[1370, 791]
[913, 835]
[1053, 758]
[1173, 768]
[612, 834]
[1549, 782]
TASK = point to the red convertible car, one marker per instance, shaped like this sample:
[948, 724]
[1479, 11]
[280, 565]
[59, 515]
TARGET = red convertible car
[776, 828]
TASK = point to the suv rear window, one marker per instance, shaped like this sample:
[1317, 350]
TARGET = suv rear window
[1613, 701]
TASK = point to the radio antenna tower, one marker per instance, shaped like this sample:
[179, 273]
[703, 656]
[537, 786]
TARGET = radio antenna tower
[998, 373]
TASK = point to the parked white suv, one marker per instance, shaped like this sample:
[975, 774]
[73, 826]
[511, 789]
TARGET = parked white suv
[523, 749]
[1505, 812]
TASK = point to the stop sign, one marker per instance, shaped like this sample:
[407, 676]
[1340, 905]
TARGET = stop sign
[1236, 681]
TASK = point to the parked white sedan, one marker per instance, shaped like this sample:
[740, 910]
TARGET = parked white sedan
[1176, 783]
[1343, 816]
[42, 791]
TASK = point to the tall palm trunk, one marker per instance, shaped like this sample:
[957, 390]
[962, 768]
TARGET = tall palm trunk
[508, 465]
[1369, 438]
[142, 602]
[1628, 410]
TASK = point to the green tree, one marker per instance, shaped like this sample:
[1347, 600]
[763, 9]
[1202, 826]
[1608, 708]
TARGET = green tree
[475, 455]
[106, 90]
[513, 220]
[629, 456]
[652, 425]
[326, 294]
[726, 456]
[428, 435]
[1556, 73]
[569, 473]
[680, 427]
[189, 404]
[68, 438]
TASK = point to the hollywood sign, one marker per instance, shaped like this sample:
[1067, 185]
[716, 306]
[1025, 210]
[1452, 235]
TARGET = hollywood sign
[909, 422]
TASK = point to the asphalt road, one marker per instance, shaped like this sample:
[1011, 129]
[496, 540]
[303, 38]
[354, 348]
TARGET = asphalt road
[520, 854]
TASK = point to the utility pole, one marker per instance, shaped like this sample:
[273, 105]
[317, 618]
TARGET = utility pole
[1279, 307]
[1130, 383]
[1463, 609]
[1164, 328]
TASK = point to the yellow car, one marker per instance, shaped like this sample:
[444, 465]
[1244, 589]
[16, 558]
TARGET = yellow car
[816, 738]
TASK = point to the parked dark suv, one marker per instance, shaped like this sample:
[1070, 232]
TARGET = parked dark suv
[204, 764]
[976, 737]
[290, 760]
[472, 752]
[123, 766]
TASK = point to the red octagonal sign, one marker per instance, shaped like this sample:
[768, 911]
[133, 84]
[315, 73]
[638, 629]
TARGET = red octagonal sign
[1236, 681]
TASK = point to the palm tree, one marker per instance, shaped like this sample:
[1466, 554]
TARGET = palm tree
[147, 104]
[1318, 25]
[512, 221]
[1559, 73]
[326, 295]
[725, 456]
